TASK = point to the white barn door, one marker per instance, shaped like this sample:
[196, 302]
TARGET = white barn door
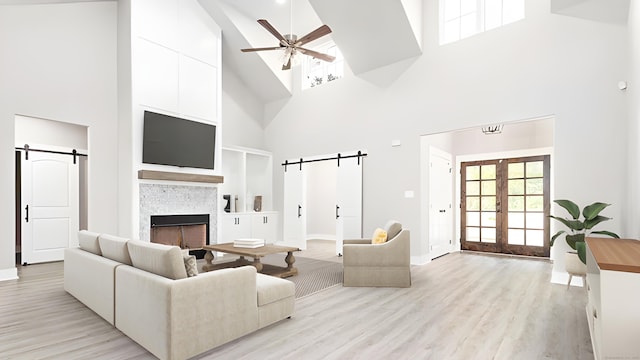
[50, 206]
[294, 219]
[349, 201]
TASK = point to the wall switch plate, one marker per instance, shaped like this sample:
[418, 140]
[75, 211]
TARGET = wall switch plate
[395, 143]
[409, 194]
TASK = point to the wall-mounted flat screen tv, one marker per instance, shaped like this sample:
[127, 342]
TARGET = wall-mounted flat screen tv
[168, 140]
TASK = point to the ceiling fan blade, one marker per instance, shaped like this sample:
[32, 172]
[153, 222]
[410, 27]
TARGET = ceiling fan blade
[272, 30]
[287, 66]
[261, 49]
[286, 61]
[317, 55]
[317, 33]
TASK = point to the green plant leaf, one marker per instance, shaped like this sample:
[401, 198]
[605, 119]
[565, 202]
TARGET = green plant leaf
[570, 206]
[582, 251]
[589, 224]
[591, 211]
[554, 237]
[575, 225]
[608, 233]
[572, 240]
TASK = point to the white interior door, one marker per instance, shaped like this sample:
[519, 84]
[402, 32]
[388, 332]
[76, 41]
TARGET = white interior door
[294, 220]
[349, 201]
[440, 207]
[50, 215]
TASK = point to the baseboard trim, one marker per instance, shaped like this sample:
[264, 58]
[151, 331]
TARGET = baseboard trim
[9, 274]
[321, 237]
[420, 260]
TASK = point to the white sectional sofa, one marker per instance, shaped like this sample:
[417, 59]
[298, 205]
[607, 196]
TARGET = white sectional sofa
[143, 290]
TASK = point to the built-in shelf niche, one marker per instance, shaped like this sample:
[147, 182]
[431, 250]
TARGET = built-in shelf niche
[247, 172]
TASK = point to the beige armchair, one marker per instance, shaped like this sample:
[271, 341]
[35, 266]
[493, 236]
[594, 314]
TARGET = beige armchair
[378, 265]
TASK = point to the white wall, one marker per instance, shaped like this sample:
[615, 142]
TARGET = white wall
[51, 70]
[632, 227]
[31, 131]
[543, 65]
[241, 112]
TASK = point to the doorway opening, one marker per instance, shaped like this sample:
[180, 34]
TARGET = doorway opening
[51, 187]
[323, 199]
[517, 139]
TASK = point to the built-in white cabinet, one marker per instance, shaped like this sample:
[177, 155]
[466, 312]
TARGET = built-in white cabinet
[613, 288]
[257, 225]
[247, 173]
[265, 226]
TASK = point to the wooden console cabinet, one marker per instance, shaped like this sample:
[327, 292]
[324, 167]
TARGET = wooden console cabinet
[613, 287]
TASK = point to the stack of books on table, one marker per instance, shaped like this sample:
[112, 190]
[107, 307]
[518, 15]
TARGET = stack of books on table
[248, 243]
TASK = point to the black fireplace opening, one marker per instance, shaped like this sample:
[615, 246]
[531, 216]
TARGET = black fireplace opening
[183, 230]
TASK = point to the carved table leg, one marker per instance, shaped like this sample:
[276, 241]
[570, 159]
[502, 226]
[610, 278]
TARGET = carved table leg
[208, 257]
[290, 260]
[257, 264]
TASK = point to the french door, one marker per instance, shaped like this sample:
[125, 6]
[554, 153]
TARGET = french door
[505, 206]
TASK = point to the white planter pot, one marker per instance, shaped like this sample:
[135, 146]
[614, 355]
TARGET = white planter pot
[574, 266]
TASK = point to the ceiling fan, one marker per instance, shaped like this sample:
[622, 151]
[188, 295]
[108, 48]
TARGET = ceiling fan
[292, 45]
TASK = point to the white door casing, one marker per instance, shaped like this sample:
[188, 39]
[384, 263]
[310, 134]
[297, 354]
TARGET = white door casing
[294, 212]
[440, 203]
[50, 206]
[348, 201]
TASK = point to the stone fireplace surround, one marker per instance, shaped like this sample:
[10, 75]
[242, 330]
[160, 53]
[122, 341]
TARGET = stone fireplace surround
[161, 199]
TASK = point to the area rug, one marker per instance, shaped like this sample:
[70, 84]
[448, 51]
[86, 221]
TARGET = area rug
[313, 275]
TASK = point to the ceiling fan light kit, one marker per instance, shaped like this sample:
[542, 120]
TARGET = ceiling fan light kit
[292, 45]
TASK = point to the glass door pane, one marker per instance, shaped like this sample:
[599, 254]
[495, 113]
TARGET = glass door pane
[505, 206]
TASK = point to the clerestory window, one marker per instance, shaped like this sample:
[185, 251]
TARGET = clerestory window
[460, 19]
[316, 72]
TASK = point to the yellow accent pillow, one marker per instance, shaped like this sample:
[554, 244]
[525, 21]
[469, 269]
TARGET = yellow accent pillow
[379, 236]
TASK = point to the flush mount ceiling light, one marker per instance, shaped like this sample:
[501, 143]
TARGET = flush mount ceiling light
[492, 129]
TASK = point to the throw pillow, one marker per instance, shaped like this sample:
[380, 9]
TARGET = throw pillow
[379, 236]
[190, 265]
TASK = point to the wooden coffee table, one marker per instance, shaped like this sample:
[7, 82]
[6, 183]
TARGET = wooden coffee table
[256, 254]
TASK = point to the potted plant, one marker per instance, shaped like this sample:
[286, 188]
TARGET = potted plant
[580, 228]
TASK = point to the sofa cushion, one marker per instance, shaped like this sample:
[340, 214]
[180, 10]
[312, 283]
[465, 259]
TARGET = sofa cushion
[88, 241]
[393, 228]
[190, 264]
[272, 289]
[114, 248]
[159, 259]
[379, 236]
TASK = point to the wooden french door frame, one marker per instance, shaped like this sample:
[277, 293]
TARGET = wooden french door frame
[499, 190]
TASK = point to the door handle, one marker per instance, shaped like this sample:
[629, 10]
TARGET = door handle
[27, 216]
[337, 211]
[442, 211]
[265, 220]
[299, 211]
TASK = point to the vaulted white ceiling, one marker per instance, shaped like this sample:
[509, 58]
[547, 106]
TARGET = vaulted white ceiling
[371, 34]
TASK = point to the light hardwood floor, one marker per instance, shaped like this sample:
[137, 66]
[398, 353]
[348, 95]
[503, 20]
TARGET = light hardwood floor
[460, 306]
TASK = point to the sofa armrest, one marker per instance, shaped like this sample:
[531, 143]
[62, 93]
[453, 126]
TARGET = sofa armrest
[395, 252]
[356, 241]
[90, 278]
[182, 318]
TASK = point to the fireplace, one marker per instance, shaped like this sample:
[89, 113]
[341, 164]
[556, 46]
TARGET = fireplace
[189, 231]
